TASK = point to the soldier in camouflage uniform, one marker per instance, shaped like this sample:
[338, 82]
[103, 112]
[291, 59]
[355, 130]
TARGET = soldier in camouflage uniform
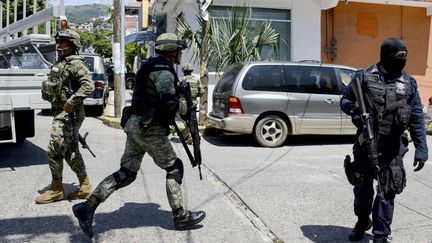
[155, 103]
[195, 84]
[64, 103]
[196, 91]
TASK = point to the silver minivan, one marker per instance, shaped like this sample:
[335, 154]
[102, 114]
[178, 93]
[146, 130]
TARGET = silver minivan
[99, 98]
[272, 100]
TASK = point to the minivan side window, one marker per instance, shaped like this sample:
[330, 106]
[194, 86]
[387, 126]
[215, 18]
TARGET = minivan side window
[265, 78]
[311, 79]
[226, 82]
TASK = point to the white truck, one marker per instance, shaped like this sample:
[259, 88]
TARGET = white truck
[25, 61]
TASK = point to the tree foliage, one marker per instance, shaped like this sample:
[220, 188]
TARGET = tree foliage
[232, 39]
[101, 40]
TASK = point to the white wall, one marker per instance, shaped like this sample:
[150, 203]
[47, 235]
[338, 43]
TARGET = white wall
[305, 30]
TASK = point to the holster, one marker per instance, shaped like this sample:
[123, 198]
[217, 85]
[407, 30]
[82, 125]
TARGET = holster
[353, 173]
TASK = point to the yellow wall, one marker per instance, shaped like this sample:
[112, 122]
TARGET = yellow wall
[359, 29]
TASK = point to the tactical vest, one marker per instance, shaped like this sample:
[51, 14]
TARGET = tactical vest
[55, 88]
[145, 99]
[388, 103]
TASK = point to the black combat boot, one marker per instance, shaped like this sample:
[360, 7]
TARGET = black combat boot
[84, 212]
[380, 239]
[185, 221]
[359, 230]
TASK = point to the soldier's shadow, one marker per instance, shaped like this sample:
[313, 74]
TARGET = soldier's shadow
[329, 233]
[133, 215]
[129, 216]
[67, 187]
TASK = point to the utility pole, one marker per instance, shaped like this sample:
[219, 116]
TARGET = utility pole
[117, 59]
[122, 53]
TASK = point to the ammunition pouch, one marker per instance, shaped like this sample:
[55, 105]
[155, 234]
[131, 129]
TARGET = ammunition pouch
[402, 117]
[392, 178]
[51, 91]
[353, 173]
[396, 121]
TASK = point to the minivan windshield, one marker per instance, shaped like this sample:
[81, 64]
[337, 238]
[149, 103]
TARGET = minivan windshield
[226, 82]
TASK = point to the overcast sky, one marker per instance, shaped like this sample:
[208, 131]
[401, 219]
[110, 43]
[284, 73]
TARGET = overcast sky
[83, 2]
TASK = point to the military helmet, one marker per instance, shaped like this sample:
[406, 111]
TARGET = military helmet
[169, 42]
[68, 34]
[187, 68]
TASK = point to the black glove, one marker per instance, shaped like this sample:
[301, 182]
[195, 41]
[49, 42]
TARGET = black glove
[356, 118]
[420, 163]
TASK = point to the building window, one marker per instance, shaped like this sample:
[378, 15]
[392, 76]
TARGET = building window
[280, 21]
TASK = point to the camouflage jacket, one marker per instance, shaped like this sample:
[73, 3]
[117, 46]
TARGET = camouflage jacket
[55, 90]
[195, 85]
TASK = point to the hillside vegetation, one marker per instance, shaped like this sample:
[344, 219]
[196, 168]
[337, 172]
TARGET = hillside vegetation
[83, 13]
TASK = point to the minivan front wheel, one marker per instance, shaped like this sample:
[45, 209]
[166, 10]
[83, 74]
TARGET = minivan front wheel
[271, 131]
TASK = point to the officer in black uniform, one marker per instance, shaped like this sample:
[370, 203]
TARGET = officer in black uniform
[393, 101]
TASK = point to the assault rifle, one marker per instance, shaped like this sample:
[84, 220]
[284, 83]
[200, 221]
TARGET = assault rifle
[75, 134]
[367, 134]
[192, 125]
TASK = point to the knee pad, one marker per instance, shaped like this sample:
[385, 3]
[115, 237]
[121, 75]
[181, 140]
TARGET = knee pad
[124, 177]
[175, 171]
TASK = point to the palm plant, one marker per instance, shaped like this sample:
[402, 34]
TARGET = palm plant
[232, 39]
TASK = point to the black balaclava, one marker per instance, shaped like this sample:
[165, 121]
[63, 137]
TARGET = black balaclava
[392, 64]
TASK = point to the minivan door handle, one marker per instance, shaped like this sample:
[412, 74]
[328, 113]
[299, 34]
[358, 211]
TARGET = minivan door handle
[329, 101]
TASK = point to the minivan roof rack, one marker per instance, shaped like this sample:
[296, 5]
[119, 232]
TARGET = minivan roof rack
[312, 61]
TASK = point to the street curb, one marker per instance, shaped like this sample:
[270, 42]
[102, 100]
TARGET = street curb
[111, 122]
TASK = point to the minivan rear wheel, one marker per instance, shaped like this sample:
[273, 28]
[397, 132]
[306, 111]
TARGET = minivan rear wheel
[271, 131]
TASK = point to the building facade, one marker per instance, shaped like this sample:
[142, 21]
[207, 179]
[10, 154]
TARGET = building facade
[347, 32]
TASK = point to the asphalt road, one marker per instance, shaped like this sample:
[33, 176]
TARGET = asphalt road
[295, 193]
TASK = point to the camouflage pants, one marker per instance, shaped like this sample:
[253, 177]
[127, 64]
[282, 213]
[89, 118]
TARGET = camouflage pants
[155, 142]
[61, 145]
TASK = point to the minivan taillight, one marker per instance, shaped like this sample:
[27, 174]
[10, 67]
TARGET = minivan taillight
[99, 84]
[234, 105]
